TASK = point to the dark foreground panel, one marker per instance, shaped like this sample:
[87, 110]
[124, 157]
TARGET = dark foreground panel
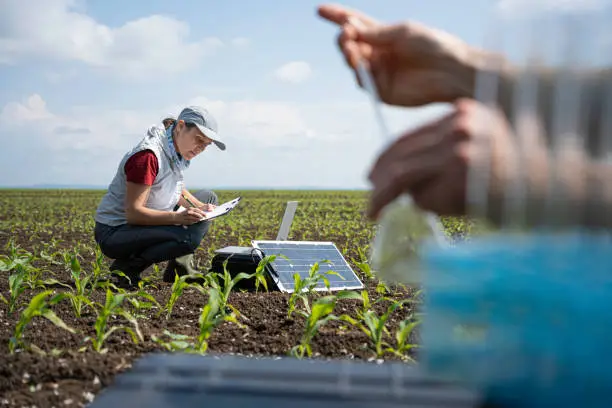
[181, 380]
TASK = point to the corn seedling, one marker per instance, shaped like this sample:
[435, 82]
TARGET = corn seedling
[97, 267]
[225, 289]
[16, 287]
[22, 274]
[374, 326]
[142, 301]
[382, 288]
[304, 287]
[177, 342]
[40, 305]
[111, 308]
[20, 261]
[366, 304]
[179, 285]
[402, 338]
[260, 272]
[84, 284]
[16, 256]
[51, 258]
[321, 313]
[212, 315]
[363, 263]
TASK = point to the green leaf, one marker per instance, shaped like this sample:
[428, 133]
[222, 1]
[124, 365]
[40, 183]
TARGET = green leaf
[53, 318]
[348, 294]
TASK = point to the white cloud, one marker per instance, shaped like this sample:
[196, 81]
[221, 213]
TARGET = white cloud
[523, 7]
[33, 108]
[269, 123]
[266, 124]
[293, 72]
[270, 143]
[81, 128]
[59, 31]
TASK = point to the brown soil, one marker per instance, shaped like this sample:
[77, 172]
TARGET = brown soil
[71, 377]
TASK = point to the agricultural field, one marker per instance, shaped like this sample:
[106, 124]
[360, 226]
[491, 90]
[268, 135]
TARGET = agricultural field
[65, 334]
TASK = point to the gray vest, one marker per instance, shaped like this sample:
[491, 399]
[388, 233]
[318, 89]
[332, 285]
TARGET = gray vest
[165, 191]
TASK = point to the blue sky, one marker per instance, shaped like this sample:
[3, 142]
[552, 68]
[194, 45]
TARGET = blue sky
[81, 81]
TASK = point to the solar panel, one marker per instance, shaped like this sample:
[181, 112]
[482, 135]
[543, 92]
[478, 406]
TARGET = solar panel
[301, 257]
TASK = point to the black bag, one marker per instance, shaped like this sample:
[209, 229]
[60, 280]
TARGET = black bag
[239, 259]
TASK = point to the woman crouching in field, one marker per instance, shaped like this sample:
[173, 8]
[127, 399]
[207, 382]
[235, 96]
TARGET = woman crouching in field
[137, 224]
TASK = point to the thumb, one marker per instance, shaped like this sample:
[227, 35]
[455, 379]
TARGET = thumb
[382, 34]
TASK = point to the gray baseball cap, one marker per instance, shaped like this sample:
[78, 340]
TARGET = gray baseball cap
[204, 121]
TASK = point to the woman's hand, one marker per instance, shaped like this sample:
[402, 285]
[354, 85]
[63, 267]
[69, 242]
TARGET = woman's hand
[411, 64]
[189, 216]
[207, 207]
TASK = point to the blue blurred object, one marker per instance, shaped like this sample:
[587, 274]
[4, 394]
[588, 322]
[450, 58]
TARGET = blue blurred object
[184, 380]
[526, 319]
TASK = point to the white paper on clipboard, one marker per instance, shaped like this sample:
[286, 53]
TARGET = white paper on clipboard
[219, 211]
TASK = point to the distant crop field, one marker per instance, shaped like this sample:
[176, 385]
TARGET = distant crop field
[64, 334]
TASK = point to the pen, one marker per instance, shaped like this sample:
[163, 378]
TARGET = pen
[189, 201]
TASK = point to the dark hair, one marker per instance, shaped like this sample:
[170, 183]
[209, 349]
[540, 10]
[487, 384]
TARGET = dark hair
[168, 122]
[188, 125]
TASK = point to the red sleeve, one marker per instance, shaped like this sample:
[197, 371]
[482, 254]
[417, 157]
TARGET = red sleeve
[142, 168]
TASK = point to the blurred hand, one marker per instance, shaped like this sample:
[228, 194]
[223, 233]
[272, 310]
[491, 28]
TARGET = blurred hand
[208, 207]
[431, 163]
[411, 64]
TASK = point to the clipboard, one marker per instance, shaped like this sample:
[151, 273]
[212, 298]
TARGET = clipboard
[219, 211]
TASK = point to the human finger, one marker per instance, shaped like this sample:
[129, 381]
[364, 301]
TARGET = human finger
[420, 139]
[383, 35]
[352, 59]
[187, 219]
[196, 213]
[353, 51]
[339, 14]
[406, 175]
[191, 219]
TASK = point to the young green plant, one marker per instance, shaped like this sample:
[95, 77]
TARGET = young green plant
[177, 342]
[111, 308]
[84, 284]
[212, 315]
[302, 288]
[40, 305]
[402, 338]
[225, 287]
[178, 287]
[320, 315]
[374, 326]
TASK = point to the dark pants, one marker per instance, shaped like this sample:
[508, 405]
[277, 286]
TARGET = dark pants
[156, 243]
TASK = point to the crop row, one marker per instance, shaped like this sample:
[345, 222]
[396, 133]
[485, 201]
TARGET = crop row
[121, 310]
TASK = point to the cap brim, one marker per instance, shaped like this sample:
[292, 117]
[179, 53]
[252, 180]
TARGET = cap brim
[219, 144]
[213, 135]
